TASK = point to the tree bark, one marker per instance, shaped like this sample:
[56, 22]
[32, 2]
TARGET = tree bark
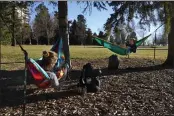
[13, 27]
[170, 58]
[63, 28]
[31, 37]
[0, 52]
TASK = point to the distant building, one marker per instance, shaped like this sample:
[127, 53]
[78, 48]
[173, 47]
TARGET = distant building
[23, 14]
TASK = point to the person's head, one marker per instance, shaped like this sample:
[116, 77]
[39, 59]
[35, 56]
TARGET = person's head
[131, 41]
[50, 58]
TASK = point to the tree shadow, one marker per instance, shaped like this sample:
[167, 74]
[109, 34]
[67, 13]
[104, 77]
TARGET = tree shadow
[14, 78]
[106, 72]
[14, 97]
[12, 93]
[17, 99]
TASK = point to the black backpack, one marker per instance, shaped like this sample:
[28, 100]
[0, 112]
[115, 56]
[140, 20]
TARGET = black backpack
[89, 79]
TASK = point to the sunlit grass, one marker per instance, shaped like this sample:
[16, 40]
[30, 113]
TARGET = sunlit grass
[14, 54]
[145, 53]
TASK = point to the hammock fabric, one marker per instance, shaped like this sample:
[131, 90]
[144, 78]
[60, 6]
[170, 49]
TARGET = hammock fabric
[42, 80]
[115, 48]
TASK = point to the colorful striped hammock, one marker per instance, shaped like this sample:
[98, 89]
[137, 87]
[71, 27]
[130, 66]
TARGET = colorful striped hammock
[42, 80]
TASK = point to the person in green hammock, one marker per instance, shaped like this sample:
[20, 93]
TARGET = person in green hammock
[131, 44]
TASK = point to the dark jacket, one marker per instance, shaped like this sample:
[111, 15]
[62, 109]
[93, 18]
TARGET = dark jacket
[133, 47]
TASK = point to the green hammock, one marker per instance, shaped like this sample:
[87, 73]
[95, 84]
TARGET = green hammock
[115, 48]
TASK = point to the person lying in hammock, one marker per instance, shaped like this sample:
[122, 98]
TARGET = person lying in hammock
[48, 63]
[131, 44]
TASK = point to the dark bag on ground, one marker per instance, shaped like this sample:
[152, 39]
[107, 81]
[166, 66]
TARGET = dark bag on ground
[113, 62]
[89, 79]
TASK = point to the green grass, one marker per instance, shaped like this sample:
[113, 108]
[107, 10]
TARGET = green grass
[145, 53]
[14, 54]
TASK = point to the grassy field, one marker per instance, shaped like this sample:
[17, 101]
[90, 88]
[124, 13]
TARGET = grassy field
[14, 54]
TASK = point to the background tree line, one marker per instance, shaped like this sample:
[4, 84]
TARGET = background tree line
[14, 18]
[44, 29]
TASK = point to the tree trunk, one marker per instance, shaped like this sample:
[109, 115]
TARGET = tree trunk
[63, 28]
[22, 28]
[170, 58]
[13, 27]
[0, 53]
[31, 37]
[48, 39]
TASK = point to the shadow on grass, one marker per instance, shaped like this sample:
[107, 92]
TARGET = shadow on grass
[14, 97]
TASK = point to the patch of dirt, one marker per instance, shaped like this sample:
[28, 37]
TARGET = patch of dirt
[140, 87]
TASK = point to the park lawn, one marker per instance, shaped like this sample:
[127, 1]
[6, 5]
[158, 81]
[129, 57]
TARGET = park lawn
[149, 54]
[14, 54]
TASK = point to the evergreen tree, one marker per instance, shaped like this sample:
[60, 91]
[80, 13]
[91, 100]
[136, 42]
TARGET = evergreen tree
[81, 28]
[101, 34]
[89, 39]
[94, 42]
[56, 26]
[73, 34]
[42, 25]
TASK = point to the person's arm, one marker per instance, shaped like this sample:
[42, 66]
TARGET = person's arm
[127, 44]
[39, 62]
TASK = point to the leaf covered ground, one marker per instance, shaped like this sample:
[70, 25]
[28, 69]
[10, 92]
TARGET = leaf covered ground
[140, 87]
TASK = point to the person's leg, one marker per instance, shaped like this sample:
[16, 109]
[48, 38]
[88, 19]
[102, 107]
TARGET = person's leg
[54, 79]
[134, 49]
[65, 74]
[128, 50]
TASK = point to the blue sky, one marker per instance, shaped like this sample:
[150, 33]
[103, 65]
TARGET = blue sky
[95, 20]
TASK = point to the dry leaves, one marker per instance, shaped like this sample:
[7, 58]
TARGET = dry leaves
[136, 89]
